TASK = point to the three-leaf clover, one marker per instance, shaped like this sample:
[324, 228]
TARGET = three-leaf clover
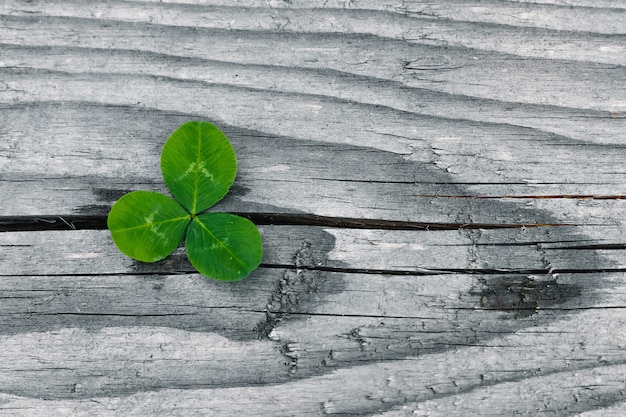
[199, 166]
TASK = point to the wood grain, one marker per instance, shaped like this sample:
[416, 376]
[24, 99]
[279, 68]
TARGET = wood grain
[440, 188]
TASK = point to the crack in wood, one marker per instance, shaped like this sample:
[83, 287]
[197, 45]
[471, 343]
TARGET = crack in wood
[606, 246]
[447, 271]
[94, 222]
[297, 285]
[523, 197]
[364, 271]
[45, 223]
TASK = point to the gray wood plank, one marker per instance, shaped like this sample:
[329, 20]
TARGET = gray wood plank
[321, 320]
[450, 154]
[92, 252]
[522, 39]
[93, 162]
[496, 128]
[452, 375]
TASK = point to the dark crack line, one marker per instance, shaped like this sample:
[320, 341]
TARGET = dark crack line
[86, 222]
[531, 197]
[45, 223]
[427, 272]
[63, 313]
[363, 271]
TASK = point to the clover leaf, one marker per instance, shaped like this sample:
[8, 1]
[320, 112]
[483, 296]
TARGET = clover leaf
[199, 166]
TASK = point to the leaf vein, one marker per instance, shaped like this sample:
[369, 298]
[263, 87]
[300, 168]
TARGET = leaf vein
[197, 169]
[235, 257]
[145, 225]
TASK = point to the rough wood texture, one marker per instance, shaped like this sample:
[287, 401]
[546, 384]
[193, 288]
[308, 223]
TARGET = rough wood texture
[440, 187]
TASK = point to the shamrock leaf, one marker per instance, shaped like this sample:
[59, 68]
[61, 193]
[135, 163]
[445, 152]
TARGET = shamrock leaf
[199, 166]
[223, 245]
[147, 226]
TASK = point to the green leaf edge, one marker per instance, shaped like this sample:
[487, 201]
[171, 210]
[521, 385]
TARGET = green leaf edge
[247, 270]
[115, 232]
[199, 125]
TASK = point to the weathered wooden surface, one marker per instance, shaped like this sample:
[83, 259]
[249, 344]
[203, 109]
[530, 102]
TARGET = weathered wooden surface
[441, 189]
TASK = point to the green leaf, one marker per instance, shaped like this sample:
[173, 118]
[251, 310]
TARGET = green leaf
[147, 226]
[198, 165]
[224, 246]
